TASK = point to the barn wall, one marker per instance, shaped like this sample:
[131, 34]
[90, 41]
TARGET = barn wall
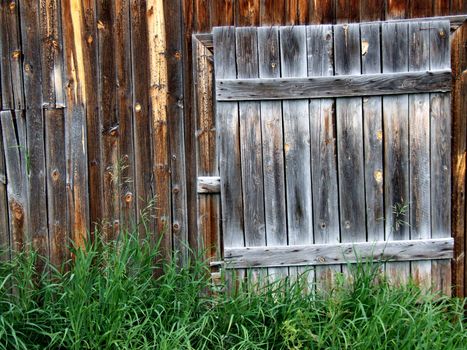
[97, 110]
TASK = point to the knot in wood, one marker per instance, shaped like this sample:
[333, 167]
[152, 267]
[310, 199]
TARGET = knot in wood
[176, 190]
[128, 197]
[178, 55]
[320, 259]
[12, 6]
[137, 107]
[176, 226]
[27, 68]
[55, 175]
[90, 40]
[16, 54]
[347, 224]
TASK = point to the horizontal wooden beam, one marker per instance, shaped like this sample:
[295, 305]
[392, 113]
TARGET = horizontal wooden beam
[455, 22]
[335, 86]
[209, 184]
[339, 253]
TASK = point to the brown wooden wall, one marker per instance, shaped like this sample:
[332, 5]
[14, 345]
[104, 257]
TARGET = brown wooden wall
[97, 110]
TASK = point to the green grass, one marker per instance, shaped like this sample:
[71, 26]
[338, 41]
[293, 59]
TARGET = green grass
[109, 299]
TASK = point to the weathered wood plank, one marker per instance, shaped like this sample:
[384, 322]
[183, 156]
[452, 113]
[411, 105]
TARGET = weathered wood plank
[229, 147]
[17, 168]
[250, 142]
[78, 79]
[222, 13]
[51, 54]
[272, 12]
[247, 12]
[11, 57]
[417, 9]
[350, 138]
[37, 200]
[337, 86]
[322, 12]
[347, 11]
[373, 135]
[419, 146]
[440, 106]
[323, 150]
[396, 139]
[296, 141]
[54, 120]
[141, 122]
[272, 147]
[458, 155]
[208, 206]
[440, 8]
[172, 13]
[109, 119]
[372, 10]
[341, 253]
[296, 12]
[396, 9]
[4, 225]
[121, 32]
[93, 119]
[158, 97]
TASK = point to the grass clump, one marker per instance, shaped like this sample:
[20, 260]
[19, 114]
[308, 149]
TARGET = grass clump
[111, 299]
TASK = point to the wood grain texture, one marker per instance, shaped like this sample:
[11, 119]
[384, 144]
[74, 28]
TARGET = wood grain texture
[417, 9]
[4, 225]
[109, 119]
[78, 78]
[121, 33]
[373, 135]
[203, 15]
[325, 254]
[250, 142]
[396, 139]
[37, 203]
[322, 12]
[222, 12]
[372, 10]
[54, 120]
[440, 106]
[209, 184]
[51, 54]
[323, 150]
[396, 9]
[419, 146]
[247, 12]
[272, 12]
[458, 154]
[175, 126]
[272, 147]
[11, 57]
[350, 138]
[14, 148]
[347, 11]
[158, 99]
[337, 86]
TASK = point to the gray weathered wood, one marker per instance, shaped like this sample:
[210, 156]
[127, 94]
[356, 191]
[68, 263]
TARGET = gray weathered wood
[396, 157]
[250, 142]
[209, 184]
[343, 85]
[229, 148]
[323, 150]
[440, 106]
[341, 253]
[350, 138]
[373, 135]
[4, 229]
[273, 146]
[419, 145]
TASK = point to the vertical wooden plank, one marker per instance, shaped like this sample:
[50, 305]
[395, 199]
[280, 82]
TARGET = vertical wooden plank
[158, 101]
[250, 141]
[228, 131]
[440, 8]
[4, 225]
[124, 112]
[176, 128]
[109, 119]
[203, 15]
[373, 135]
[349, 138]
[458, 7]
[322, 11]
[222, 13]
[78, 78]
[247, 12]
[272, 12]
[347, 11]
[141, 123]
[93, 118]
[396, 9]
[296, 141]
[208, 204]
[37, 205]
[323, 150]
[51, 54]
[54, 120]
[14, 148]
[372, 10]
[273, 147]
[419, 146]
[458, 154]
[417, 9]
[440, 106]
[291, 12]
[395, 121]
[11, 59]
